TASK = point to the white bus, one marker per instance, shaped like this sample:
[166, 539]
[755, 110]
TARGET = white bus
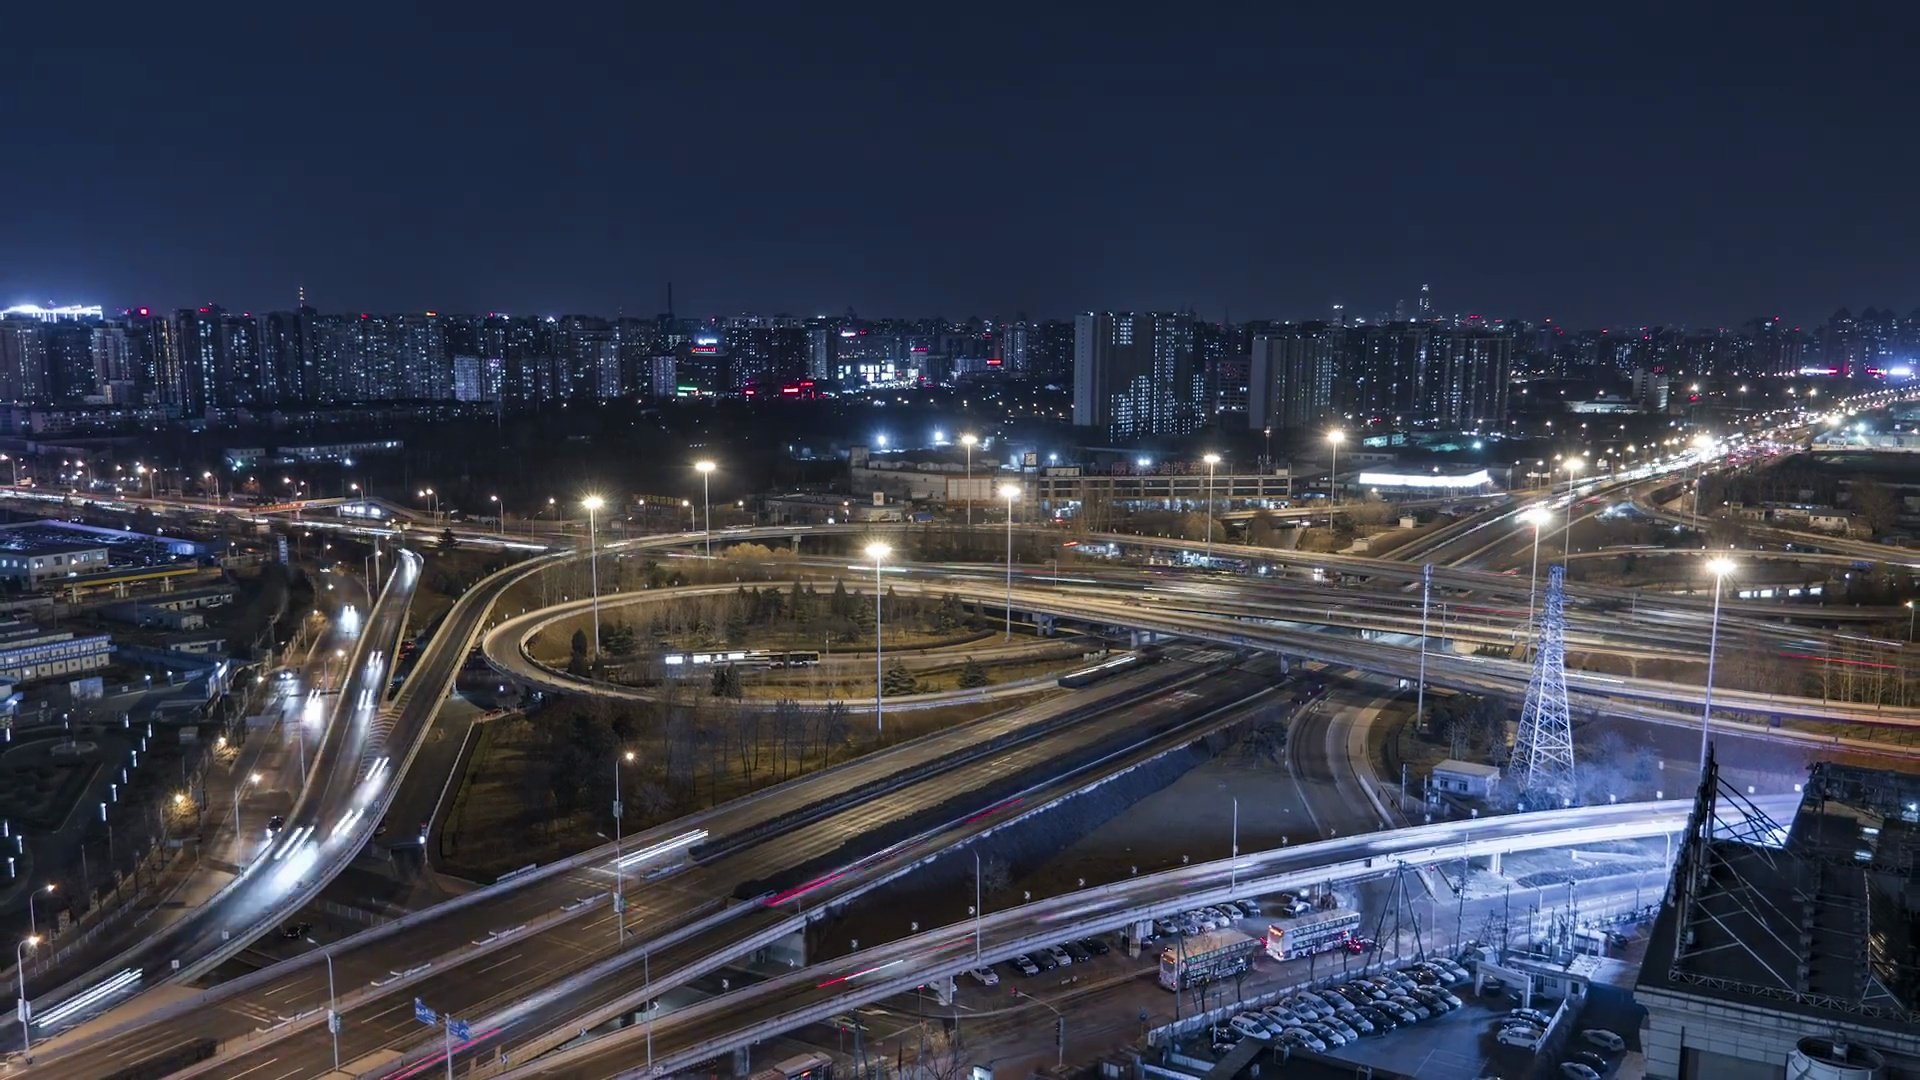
[1319, 931]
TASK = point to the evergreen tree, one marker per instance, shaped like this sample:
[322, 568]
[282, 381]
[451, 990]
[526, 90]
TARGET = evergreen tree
[726, 682]
[899, 680]
[973, 675]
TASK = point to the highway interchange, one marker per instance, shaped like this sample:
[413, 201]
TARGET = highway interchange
[492, 947]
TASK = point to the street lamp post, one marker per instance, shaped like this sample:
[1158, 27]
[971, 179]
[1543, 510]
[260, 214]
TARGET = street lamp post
[878, 552]
[215, 477]
[619, 873]
[1573, 467]
[33, 923]
[252, 778]
[593, 503]
[1010, 492]
[1911, 612]
[499, 515]
[1701, 443]
[1334, 439]
[1719, 567]
[333, 1003]
[1537, 517]
[20, 965]
[706, 494]
[969, 440]
[1211, 460]
[1266, 460]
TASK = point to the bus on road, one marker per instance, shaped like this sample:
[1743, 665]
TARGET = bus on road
[802, 1067]
[1204, 958]
[1319, 931]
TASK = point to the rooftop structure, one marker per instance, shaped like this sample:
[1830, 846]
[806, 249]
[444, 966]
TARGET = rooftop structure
[1770, 934]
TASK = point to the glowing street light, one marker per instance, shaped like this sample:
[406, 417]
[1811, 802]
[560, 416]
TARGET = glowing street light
[593, 503]
[1334, 439]
[619, 874]
[878, 552]
[1719, 567]
[1536, 516]
[20, 965]
[969, 440]
[1573, 465]
[1010, 492]
[1211, 460]
[706, 489]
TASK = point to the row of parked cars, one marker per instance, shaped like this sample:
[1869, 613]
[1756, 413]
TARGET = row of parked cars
[1321, 1020]
[1065, 954]
[1525, 1029]
[1207, 919]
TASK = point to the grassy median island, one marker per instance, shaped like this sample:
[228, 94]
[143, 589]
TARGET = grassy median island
[539, 788]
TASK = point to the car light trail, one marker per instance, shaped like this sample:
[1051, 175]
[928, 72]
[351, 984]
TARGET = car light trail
[684, 840]
[88, 998]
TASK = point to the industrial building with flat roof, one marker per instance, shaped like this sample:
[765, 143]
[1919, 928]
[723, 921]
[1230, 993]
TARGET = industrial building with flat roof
[1790, 950]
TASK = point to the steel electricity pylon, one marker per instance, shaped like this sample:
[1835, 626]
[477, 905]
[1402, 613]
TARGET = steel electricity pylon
[1542, 768]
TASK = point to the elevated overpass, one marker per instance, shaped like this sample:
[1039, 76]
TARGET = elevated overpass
[682, 1040]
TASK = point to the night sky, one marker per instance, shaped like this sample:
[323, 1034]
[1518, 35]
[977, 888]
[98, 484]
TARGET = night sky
[1671, 165]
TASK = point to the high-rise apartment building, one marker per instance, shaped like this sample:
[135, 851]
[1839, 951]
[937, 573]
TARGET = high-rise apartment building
[23, 359]
[1466, 380]
[1293, 375]
[1134, 374]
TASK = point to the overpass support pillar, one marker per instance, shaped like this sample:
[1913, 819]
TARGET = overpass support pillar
[1286, 666]
[1493, 863]
[943, 990]
[1137, 934]
[1140, 639]
[742, 1062]
[1043, 625]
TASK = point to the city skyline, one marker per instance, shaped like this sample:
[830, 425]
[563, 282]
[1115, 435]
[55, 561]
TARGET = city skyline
[1556, 165]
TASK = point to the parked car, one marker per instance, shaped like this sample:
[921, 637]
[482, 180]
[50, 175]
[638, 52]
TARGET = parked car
[1250, 906]
[1165, 927]
[1222, 1033]
[1024, 965]
[1574, 1070]
[1413, 1005]
[1095, 946]
[1524, 1038]
[1534, 1015]
[1358, 1021]
[1076, 950]
[1400, 1013]
[1342, 1028]
[1305, 1038]
[1058, 955]
[1328, 1033]
[984, 976]
[1249, 1027]
[1591, 1060]
[1285, 1018]
[1381, 1020]
[1604, 1039]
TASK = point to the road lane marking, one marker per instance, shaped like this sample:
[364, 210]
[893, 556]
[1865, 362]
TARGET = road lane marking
[500, 963]
[256, 1068]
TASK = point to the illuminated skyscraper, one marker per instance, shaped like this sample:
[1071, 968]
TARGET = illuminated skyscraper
[1134, 374]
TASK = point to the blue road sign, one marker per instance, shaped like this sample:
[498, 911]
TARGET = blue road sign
[460, 1029]
[424, 1014]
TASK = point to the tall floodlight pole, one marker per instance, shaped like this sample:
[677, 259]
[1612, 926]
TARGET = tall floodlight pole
[1211, 460]
[969, 440]
[1719, 567]
[619, 873]
[878, 552]
[706, 495]
[1573, 466]
[594, 503]
[1702, 443]
[20, 965]
[1334, 439]
[1420, 691]
[1010, 492]
[1536, 516]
